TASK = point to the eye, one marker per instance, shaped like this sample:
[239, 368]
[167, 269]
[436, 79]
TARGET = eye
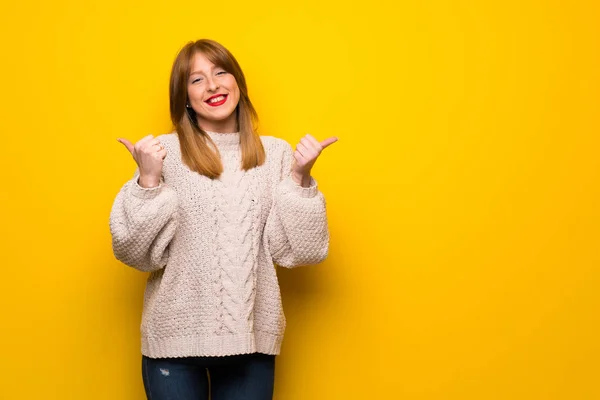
[221, 72]
[196, 80]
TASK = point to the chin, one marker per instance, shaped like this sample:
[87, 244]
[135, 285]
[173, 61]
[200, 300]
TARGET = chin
[221, 116]
[218, 118]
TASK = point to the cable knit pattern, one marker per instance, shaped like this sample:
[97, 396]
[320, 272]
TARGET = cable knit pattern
[210, 247]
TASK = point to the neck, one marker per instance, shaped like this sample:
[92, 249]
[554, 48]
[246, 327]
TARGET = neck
[228, 125]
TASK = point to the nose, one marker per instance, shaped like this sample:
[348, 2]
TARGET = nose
[213, 86]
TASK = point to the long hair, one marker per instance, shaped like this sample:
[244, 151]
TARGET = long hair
[195, 150]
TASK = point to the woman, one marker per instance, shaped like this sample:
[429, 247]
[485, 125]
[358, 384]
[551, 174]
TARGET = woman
[208, 212]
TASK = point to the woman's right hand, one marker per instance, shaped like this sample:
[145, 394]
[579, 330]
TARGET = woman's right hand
[149, 155]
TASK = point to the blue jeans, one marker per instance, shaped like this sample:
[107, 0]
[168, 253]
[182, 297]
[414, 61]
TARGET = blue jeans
[247, 377]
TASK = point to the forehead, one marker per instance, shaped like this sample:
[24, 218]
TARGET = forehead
[200, 63]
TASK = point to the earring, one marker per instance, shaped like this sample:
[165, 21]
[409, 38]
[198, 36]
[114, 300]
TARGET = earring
[188, 106]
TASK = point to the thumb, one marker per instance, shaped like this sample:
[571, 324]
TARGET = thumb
[328, 141]
[127, 144]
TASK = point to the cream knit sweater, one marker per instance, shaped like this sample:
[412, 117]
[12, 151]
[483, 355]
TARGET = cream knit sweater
[210, 247]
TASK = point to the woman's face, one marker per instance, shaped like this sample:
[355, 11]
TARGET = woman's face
[213, 93]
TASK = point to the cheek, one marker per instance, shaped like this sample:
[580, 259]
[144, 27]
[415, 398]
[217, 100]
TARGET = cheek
[194, 93]
[232, 85]
[236, 93]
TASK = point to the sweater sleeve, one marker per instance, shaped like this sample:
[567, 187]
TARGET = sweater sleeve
[296, 229]
[142, 224]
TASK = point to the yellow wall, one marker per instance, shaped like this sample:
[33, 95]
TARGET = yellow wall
[463, 193]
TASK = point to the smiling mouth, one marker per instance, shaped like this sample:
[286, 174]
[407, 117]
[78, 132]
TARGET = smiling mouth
[216, 100]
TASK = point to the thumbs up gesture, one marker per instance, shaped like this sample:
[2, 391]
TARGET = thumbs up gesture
[149, 155]
[305, 156]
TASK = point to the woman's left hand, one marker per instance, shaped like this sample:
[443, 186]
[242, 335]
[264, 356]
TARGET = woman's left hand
[305, 156]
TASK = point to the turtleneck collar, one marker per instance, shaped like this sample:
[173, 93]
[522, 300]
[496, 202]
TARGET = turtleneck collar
[225, 141]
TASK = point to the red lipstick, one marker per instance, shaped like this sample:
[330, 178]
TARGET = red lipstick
[218, 103]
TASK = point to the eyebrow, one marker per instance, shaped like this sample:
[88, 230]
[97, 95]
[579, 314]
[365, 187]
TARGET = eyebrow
[202, 72]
